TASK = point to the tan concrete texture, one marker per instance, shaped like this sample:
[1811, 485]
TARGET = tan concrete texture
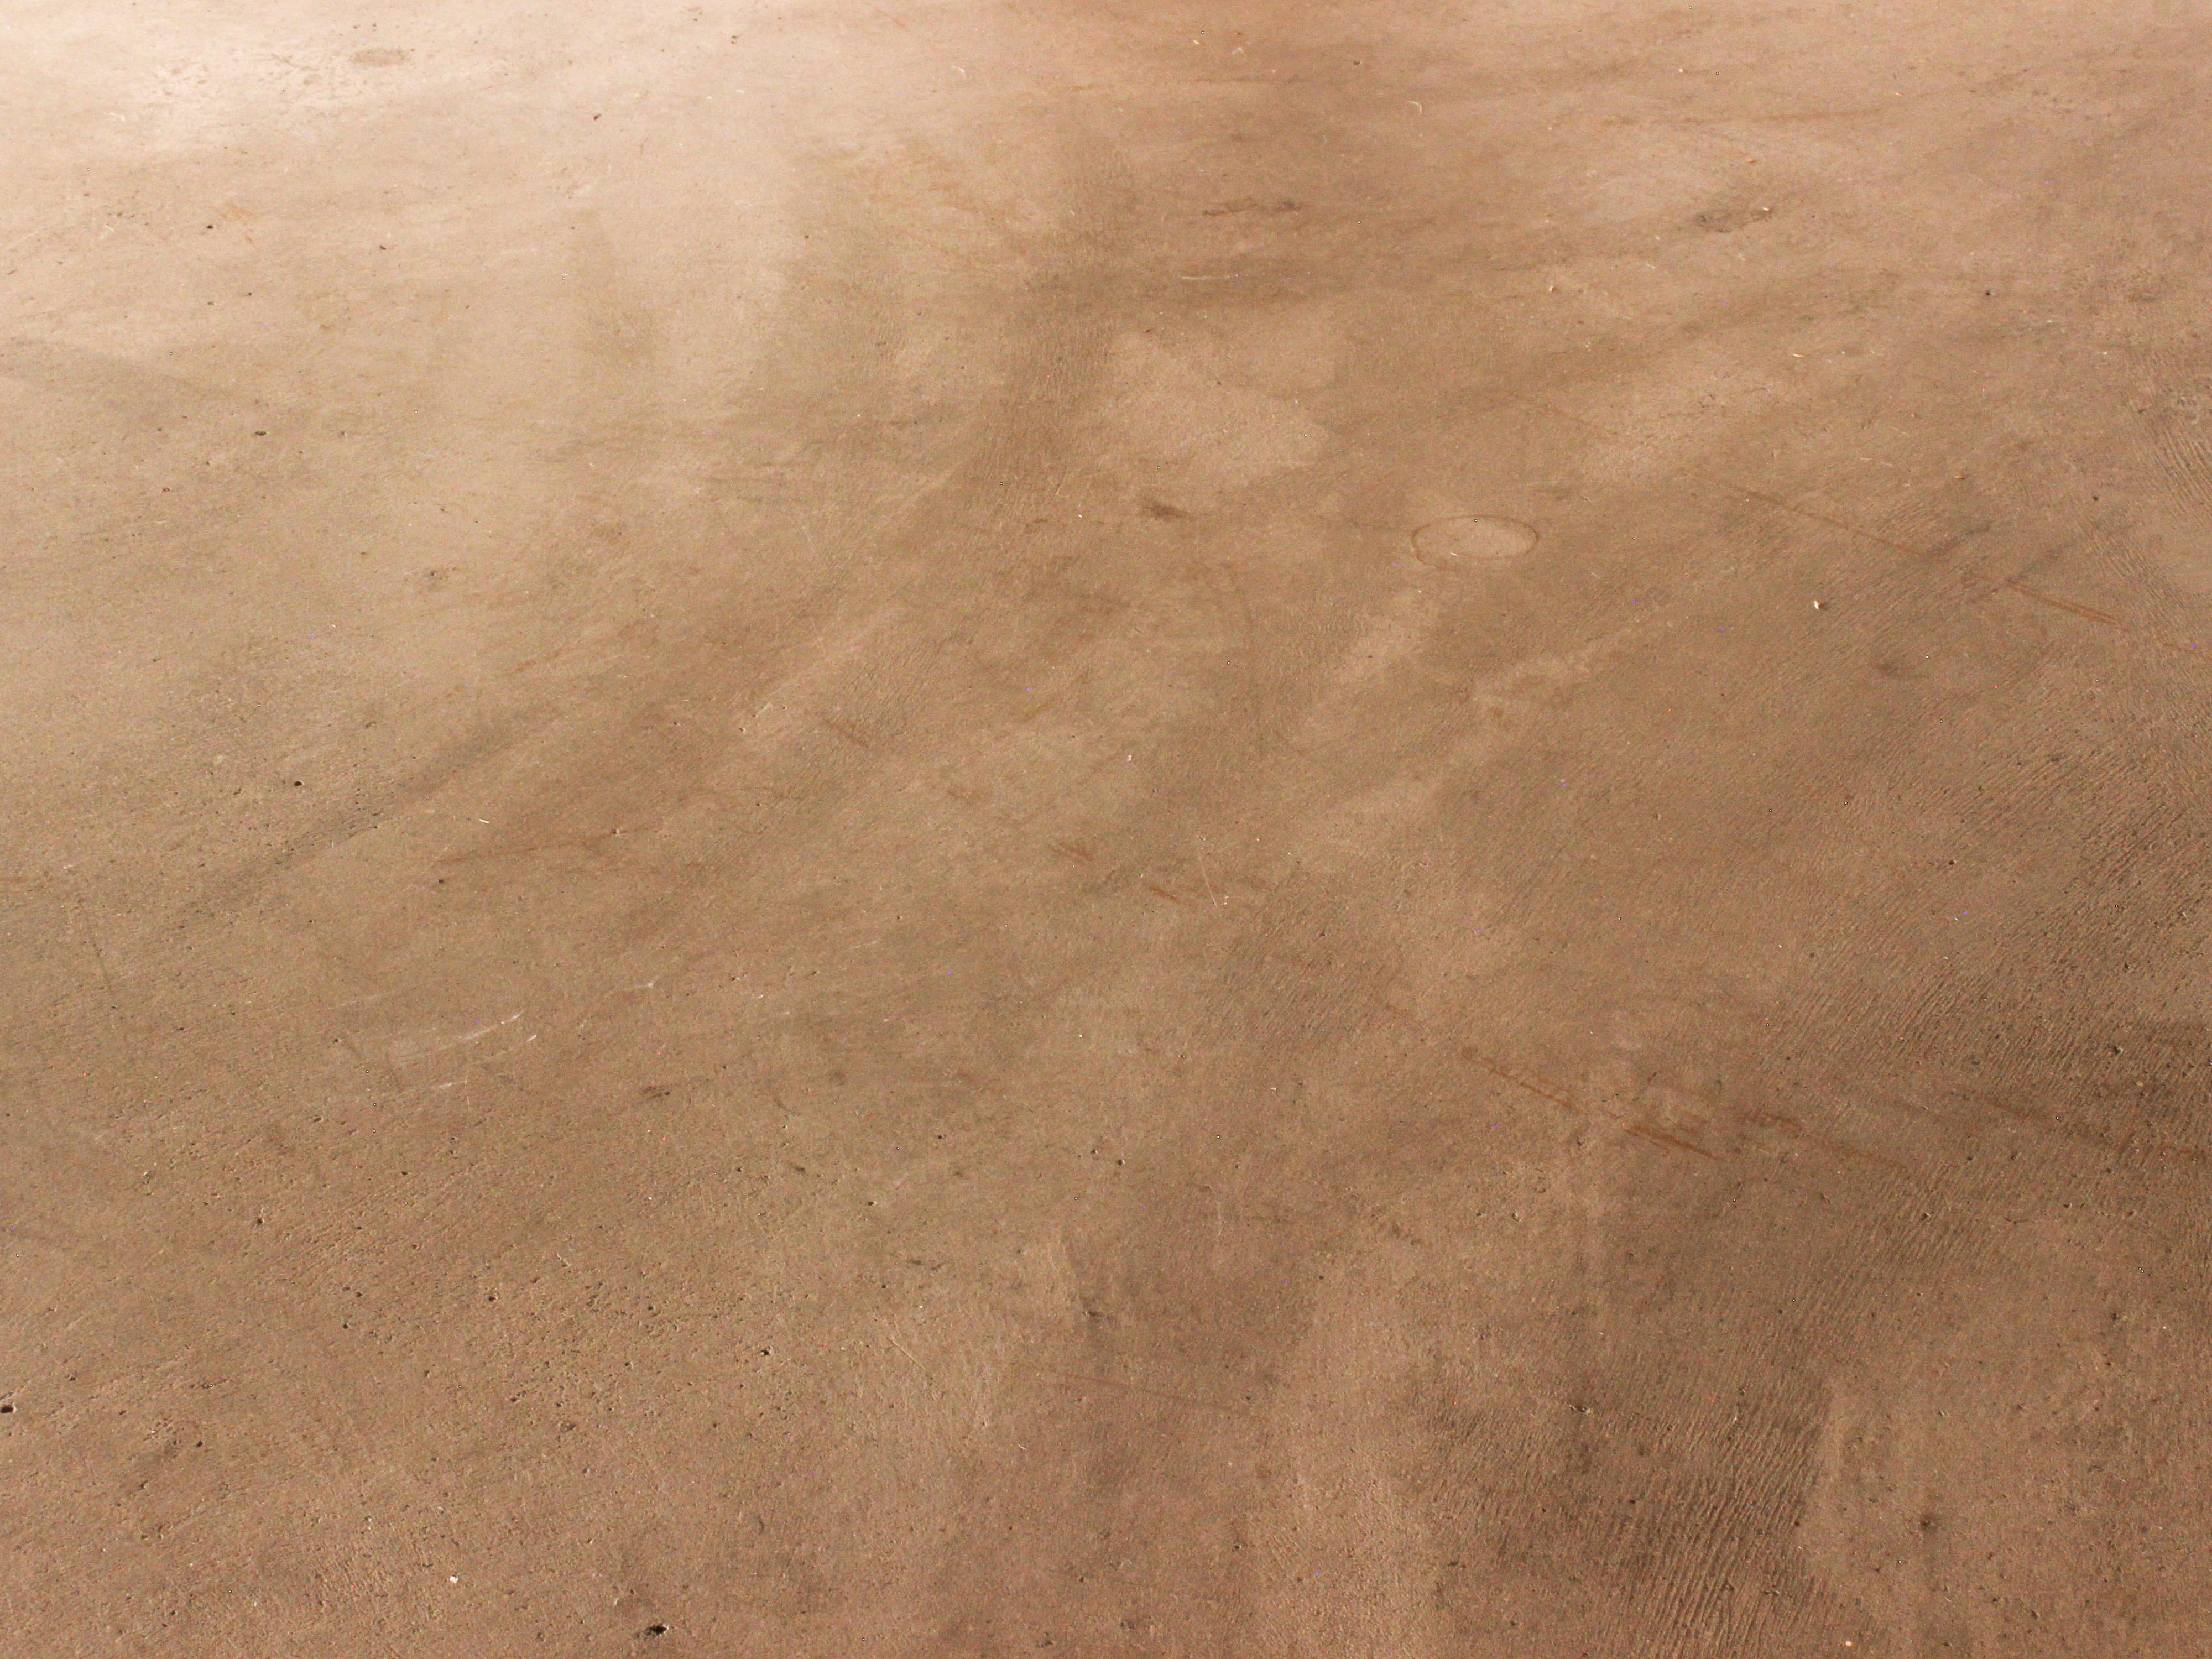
[965, 827]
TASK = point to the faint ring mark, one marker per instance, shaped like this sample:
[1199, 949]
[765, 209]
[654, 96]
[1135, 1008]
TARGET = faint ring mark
[1471, 538]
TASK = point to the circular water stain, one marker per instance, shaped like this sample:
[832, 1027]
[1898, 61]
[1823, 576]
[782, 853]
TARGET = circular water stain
[1471, 538]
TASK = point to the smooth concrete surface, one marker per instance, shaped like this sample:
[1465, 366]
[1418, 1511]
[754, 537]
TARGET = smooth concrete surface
[957, 827]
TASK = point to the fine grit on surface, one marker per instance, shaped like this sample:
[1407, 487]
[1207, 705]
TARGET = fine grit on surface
[1310, 830]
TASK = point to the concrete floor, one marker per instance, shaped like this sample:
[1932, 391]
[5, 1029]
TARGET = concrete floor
[950, 827]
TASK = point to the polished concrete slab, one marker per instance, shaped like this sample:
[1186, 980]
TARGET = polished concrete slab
[954, 828]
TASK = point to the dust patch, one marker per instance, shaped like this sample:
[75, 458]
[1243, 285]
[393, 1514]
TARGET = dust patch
[1191, 438]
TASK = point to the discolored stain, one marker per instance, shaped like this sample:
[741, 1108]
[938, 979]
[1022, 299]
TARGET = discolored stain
[1720, 220]
[381, 57]
[1248, 205]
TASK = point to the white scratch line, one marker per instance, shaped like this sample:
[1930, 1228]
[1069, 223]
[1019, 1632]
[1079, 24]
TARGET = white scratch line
[405, 1049]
